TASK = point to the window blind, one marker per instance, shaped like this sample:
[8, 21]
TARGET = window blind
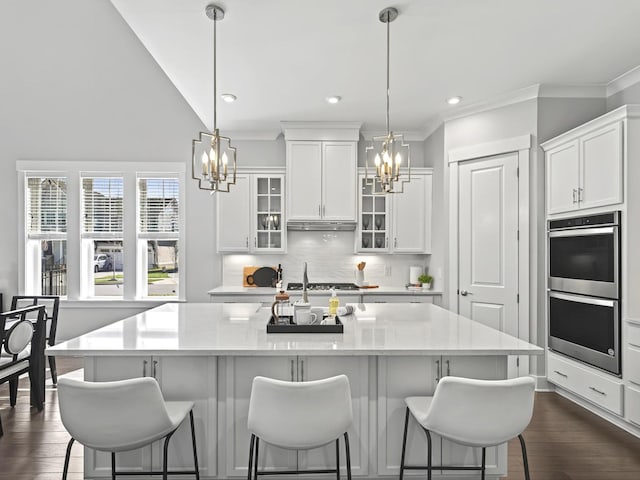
[158, 205]
[102, 204]
[46, 205]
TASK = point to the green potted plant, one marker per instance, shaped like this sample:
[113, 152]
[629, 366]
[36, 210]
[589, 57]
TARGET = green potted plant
[426, 281]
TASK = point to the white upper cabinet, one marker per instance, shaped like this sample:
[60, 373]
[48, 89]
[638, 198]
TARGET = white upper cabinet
[584, 167]
[322, 161]
[250, 218]
[304, 188]
[398, 222]
[339, 180]
[321, 180]
[412, 216]
[234, 216]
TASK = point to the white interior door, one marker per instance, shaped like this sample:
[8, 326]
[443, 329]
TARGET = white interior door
[488, 241]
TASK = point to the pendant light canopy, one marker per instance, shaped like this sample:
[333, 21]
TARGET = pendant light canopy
[213, 157]
[387, 155]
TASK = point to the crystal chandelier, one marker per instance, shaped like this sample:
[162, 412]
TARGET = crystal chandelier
[213, 157]
[388, 153]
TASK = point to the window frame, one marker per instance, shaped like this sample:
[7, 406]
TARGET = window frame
[134, 286]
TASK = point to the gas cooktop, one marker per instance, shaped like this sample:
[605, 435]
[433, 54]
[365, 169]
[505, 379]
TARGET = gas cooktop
[323, 286]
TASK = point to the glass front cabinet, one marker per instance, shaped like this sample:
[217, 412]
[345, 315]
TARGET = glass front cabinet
[251, 216]
[269, 215]
[373, 221]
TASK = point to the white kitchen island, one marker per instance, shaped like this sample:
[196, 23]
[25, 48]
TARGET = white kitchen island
[210, 353]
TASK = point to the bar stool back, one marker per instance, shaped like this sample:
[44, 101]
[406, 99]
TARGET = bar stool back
[299, 416]
[476, 413]
[120, 416]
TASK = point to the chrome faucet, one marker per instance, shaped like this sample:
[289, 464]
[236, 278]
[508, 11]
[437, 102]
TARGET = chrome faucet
[305, 282]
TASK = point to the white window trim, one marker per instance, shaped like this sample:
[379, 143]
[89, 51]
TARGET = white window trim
[130, 171]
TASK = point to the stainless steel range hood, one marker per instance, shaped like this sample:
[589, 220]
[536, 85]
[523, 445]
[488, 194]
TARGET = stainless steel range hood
[320, 226]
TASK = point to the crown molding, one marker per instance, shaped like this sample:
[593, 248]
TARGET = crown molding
[408, 135]
[252, 135]
[596, 90]
[431, 126]
[503, 100]
[623, 81]
[346, 131]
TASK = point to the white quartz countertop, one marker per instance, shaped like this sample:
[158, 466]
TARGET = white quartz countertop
[216, 329]
[233, 290]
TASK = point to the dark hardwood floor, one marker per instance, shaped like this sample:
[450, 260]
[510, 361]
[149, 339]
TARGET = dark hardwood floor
[564, 441]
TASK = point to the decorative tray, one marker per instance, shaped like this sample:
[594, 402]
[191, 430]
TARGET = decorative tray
[291, 327]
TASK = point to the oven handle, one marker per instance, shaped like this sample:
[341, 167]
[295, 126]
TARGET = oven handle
[581, 232]
[581, 299]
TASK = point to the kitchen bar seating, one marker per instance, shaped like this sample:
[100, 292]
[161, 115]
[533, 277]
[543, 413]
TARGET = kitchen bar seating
[299, 416]
[475, 413]
[120, 416]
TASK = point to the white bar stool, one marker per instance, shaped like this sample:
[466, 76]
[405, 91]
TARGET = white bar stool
[120, 416]
[476, 413]
[299, 416]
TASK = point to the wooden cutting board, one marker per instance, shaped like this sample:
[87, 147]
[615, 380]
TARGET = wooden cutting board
[369, 286]
[246, 271]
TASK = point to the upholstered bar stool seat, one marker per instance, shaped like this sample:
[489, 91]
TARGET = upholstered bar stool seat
[120, 416]
[299, 416]
[475, 413]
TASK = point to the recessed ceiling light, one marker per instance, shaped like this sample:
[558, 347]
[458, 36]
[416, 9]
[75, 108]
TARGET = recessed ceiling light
[334, 99]
[454, 100]
[229, 97]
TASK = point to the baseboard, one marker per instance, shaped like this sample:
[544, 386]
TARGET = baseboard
[542, 384]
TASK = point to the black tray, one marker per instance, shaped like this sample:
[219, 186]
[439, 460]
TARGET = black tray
[291, 327]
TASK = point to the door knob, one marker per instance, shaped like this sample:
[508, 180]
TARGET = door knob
[464, 293]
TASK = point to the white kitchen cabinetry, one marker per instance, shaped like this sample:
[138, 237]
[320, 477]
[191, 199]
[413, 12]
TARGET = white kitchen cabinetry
[584, 167]
[399, 222]
[396, 381]
[240, 372]
[250, 218]
[631, 361]
[412, 216]
[321, 180]
[180, 378]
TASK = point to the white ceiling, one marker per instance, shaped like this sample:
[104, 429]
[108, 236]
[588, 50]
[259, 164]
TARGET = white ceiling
[282, 58]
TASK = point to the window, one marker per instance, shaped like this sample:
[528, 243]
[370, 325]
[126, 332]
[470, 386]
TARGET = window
[158, 234]
[102, 234]
[46, 234]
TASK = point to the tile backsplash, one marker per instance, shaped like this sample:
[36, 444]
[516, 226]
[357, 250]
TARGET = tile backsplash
[329, 257]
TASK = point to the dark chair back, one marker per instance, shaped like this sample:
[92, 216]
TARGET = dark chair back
[51, 304]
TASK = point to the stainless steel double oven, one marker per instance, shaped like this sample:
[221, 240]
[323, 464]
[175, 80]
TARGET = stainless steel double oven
[584, 289]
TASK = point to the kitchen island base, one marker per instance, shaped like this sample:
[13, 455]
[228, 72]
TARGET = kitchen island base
[210, 353]
[221, 387]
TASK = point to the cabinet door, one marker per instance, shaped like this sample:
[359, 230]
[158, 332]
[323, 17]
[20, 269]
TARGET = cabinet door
[486, 368]
[304, 180]
[190, 379]
[601, 167]
[357, 370]
[410, 216]
[339, 177]
[240, 372]
[106, 369]
[398, 378]
[562, 165]
[374, 222]
[233, 227]
[269, 214]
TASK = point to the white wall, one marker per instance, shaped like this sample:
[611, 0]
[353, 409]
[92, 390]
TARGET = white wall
[78, 85]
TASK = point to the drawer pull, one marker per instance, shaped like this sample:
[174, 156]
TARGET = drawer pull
[561, 374]
[597, 391]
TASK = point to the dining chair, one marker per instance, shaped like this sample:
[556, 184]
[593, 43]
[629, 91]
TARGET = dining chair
[122, 415]
[22, 351]
[299, 416]
[475, 413]
[52, 304]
